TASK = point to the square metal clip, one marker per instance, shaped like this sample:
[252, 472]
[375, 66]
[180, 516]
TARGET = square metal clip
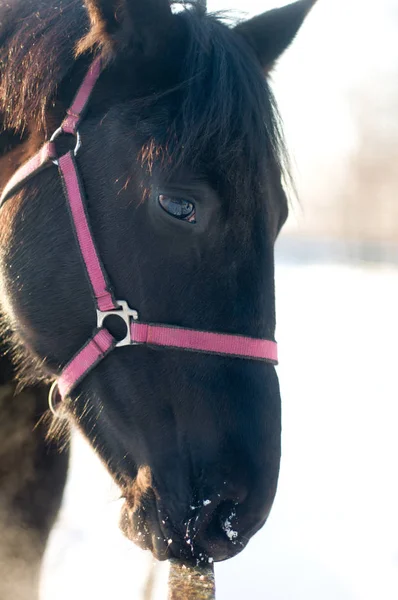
[126, 314]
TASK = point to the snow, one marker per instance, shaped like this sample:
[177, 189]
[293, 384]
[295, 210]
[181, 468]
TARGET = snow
[227, 527]
[231, 533]
[333, 531]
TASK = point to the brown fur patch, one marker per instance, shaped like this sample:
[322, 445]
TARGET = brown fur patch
[140, 487]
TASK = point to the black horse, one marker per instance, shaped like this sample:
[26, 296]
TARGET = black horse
[183, 165]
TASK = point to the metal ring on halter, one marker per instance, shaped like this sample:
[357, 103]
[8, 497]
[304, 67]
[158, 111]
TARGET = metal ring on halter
[59, 132]
[55, 401]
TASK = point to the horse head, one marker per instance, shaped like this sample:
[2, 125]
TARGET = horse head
[182, 163]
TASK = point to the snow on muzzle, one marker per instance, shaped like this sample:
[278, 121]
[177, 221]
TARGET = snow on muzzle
[204, 532]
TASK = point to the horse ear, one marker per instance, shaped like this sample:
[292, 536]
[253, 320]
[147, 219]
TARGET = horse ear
[117, 24]
[272, 32]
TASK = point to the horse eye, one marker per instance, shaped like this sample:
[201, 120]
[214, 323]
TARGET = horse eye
[178, 208]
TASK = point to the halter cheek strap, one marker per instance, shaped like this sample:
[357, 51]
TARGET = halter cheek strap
[102, 292]
[137, 333]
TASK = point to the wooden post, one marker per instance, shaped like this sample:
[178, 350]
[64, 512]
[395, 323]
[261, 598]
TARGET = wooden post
[187, 582]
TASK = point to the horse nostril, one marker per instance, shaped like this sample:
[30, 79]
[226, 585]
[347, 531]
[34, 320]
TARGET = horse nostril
[218, 531]
[224, 521]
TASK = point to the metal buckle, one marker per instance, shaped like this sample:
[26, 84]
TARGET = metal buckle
[126, 313]
[55, 402]
[59, 132]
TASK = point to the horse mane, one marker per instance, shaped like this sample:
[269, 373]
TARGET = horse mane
[226, 110]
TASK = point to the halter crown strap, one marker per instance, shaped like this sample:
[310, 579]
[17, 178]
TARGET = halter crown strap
[75, 113]
[40, 161]
[47, 154]
[137, 332]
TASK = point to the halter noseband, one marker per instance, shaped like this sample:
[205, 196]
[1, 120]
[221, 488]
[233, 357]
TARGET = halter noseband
[102, 342]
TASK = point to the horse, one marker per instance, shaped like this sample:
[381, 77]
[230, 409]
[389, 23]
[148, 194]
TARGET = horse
[143, 173]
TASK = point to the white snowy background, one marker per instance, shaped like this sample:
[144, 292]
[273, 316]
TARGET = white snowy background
[333, 531]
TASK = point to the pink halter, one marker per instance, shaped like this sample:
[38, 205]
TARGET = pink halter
[102, 342]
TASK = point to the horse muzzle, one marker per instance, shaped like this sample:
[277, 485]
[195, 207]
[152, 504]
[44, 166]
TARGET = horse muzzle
[204, 531]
